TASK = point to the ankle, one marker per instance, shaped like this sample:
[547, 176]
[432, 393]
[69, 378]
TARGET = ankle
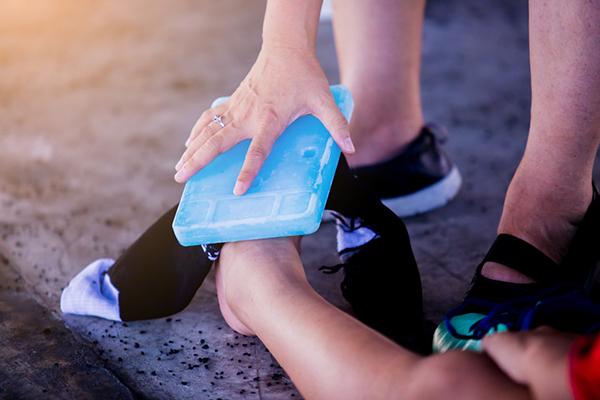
[379, 142]
[251, 275]
[543, 211]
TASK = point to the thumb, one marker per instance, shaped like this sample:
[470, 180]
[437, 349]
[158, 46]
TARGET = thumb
[508, 352]
[335, 122]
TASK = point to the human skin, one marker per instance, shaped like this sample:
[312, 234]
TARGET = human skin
[285, 82]
[556, 170]
[263, 291]
[316, 343]
[551, 188]
[379, 52]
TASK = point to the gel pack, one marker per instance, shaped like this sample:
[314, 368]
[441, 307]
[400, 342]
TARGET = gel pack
[287, 197]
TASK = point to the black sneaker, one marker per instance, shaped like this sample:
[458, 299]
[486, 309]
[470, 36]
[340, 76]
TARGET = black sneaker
[381, 279]
[418, 179]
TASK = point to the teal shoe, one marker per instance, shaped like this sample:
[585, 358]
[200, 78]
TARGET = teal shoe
[563, 307]
[558, 297]
[465, 326]
[445, 338]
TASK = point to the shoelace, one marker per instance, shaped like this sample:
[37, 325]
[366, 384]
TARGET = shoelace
[520, 314]
[331, 269]
[347, 224]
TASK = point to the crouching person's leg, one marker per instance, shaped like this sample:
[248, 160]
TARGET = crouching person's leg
[328, 354]
[154, 278]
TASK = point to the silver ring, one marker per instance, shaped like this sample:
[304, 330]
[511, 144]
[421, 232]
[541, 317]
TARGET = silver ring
[218, 119]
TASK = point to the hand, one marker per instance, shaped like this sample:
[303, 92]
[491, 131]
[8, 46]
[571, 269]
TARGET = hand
[537, 359]
[283, 84]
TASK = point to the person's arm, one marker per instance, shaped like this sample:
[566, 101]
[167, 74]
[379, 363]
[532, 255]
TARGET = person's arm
[285, 82]
[263, 290]
[293, 24]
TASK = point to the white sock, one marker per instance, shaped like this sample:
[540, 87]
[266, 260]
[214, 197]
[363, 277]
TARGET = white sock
[351, 235]
[92, 293]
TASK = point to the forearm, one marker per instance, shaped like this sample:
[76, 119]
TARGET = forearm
[292, 23]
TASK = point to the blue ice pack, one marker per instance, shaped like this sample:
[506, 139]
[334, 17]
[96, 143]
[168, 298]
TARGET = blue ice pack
[287, 197]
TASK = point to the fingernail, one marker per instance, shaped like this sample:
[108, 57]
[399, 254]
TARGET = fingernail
[348, 146]
[239, 188]
[178, 175]
[179, 164]
[187, 142]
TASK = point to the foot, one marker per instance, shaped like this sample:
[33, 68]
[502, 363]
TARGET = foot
[548, 220]
[274, 262]
[226, 311]
[520, 286]
[418, 178]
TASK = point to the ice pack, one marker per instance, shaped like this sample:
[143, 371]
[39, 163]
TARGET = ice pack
[287, 197]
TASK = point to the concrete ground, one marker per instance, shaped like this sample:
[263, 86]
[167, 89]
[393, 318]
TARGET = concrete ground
[96, 99]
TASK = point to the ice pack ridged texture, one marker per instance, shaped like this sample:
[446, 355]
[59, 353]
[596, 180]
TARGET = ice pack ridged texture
[287, 197]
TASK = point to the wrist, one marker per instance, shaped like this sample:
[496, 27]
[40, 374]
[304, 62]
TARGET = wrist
[275, 44]
[286, 51]
[291, 24]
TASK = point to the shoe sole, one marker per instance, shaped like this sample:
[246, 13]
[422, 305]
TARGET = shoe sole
[444, 341]
[435, 196]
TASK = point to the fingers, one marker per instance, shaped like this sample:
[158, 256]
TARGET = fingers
[327, 111]
[204, 120]
[200, 139]
[508, 350]
[201, 156]
[208, 142]
[207, 139]
[259, 149]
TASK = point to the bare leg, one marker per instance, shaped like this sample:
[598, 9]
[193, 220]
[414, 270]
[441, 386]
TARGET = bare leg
[551, 189]
[379, 51]
[328, 354]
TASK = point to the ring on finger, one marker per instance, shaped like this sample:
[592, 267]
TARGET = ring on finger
[218, 119]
